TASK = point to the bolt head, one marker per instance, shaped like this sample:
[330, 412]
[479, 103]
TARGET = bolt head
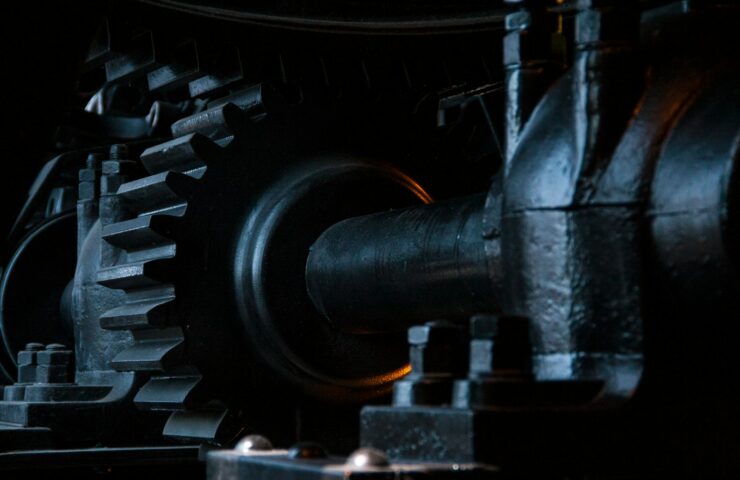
[253, 443]
[54, 355]
[437, 347]
[367, 458]
[27, 357]
[500, 346]
[436, 331]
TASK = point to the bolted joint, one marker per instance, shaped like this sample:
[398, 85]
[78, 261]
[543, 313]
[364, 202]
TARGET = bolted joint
[500, 347]
[27, 356]
[54, 364]
[115, 170]
[438, 352]
[27, 362]
[410, 391]
[529, 38]
[483, 330]
[54, 354]
[500, 371]
[53, 374]
[432, 333]
[437, 348]
[119, 151]
[118, 167]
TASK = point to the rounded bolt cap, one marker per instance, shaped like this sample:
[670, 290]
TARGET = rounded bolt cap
[367, 458]
[34, 346]
[55, 347]
[253, 443]
[306, 450]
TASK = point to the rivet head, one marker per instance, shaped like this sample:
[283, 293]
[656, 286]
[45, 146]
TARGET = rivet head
[306, 450]
[253, 443]
[367, 458]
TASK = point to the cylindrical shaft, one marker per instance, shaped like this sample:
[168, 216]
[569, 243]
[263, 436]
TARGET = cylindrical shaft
[386, 271]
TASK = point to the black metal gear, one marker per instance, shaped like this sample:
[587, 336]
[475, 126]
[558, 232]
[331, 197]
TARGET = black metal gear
[181, 230]
[154, 214]
[171, 244]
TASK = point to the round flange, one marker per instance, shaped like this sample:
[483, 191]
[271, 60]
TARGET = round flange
[283, 327]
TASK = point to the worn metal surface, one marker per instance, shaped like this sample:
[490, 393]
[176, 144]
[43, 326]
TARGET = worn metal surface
[250, 247]
[386, 271]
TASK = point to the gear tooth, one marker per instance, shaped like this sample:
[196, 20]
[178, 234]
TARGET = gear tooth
[184, 68]
[179, 155]
[214, 123]
[138, 314]
[103, 46]
[147, 240]
[147, 273]
[224, 69]
[201, 425]
[137, 62]
[152, 351]
[256, 101]
[157, 192]
[168, 392]
[140, 232]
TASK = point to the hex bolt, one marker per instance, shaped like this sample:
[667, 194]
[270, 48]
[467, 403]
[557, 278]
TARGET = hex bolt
[115, 169]
[93, 161]
[115, 172]
[438, 353]
[27, 362]
[500, 346]
[500, 362]
[54, 364]
[88, 177]
[435, 348]
[119, 151]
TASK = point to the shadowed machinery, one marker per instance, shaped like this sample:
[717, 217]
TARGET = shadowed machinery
[377, 240]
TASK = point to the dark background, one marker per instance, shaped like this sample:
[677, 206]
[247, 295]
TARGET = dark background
[42, 47]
